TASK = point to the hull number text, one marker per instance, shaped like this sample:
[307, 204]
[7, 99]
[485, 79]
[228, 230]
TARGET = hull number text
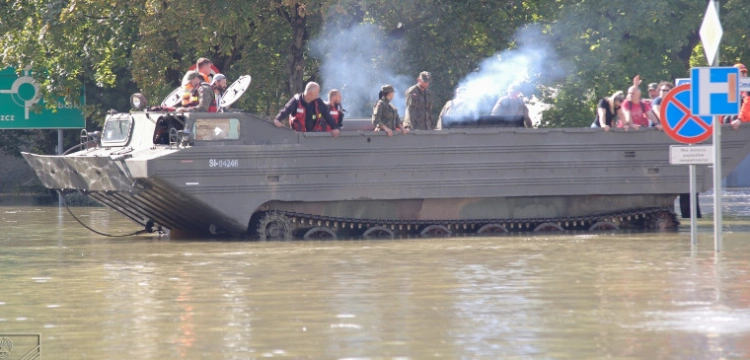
[223, 163]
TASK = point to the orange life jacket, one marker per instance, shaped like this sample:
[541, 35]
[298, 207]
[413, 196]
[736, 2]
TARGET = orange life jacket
[205, 78]
[745, 110]
[190, 97]
[297, 120]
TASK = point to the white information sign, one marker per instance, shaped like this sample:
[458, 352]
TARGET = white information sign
[744, 83]
[691, 155]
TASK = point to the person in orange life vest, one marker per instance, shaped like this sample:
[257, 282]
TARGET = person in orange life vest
[307, 112]
[201, 96]
[744, 115]
[204, 67]
[187, 90]
[637, 113]
[219, 85]
[335, 108]
[190, 97]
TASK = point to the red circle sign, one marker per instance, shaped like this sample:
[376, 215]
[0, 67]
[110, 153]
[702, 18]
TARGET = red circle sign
[678, 120]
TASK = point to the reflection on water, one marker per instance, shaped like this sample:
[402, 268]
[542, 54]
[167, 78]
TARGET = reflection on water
[571, 296]
[735, 202]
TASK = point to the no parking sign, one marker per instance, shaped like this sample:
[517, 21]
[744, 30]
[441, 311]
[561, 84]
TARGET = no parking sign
[678, 119]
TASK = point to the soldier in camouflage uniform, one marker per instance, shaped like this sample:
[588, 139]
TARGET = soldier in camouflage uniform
[419, 105]
[200, 96]
[385, 115]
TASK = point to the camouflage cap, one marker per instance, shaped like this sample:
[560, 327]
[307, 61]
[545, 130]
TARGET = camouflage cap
[192, 74]
[425, 76]
[387, 89]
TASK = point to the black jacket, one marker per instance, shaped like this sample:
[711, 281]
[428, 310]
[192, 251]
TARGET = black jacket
[291, 108]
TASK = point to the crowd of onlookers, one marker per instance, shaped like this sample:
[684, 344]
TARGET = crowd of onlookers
[307, 112]
[631, 111]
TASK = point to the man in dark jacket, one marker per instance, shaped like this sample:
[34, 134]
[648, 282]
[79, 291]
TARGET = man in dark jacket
[307, 112]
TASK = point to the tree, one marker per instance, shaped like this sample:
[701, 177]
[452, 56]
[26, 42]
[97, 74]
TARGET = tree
[115, 48]
[607, 45]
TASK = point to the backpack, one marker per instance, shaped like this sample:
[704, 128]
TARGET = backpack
[640, 103]
[643, 107]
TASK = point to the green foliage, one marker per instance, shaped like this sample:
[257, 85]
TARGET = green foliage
[115, 48]
[13, 141]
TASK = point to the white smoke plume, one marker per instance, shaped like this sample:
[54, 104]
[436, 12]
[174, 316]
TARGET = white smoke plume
[358, 61]
[533, 61]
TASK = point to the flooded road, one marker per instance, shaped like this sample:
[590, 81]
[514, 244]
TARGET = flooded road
[542, 296]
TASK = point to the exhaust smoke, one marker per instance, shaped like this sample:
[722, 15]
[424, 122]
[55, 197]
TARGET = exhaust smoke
[358, 61]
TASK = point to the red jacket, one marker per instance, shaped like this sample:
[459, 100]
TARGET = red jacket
[745, 110]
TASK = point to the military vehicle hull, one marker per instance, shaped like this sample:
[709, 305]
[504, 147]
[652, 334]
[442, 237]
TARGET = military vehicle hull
[273, 182]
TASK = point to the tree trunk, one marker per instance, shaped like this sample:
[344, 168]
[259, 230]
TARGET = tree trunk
[297, 19]
[687, 51]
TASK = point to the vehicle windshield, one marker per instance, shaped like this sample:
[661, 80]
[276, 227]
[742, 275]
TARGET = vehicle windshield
[117, 129]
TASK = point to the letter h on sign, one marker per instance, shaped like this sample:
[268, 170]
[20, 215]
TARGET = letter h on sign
[715, 91]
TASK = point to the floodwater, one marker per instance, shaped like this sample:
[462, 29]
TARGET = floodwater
[620, 295]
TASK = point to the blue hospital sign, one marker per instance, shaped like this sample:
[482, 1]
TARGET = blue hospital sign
[715, 91]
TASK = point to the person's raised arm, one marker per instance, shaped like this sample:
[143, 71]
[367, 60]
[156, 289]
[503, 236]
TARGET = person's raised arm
[637, 81]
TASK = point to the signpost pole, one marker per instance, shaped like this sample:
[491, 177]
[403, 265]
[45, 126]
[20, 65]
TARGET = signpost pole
[59, 141]
[717, 184]
[717, 164]
[59, 152]
[693, 208]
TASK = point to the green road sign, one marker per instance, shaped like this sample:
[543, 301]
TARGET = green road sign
[21, 106]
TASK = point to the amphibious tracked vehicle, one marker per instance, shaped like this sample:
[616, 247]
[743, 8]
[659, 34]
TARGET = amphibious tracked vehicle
[237, 174]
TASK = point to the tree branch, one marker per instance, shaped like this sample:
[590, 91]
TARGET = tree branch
[285, 15]
[313, 77]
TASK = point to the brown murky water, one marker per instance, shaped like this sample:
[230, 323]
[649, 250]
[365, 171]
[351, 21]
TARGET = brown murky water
[571, 296]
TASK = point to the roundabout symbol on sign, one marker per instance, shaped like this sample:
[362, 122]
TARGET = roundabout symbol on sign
[678, 120]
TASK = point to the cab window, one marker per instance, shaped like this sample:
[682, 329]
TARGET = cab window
[117, 130]
[216, 129]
